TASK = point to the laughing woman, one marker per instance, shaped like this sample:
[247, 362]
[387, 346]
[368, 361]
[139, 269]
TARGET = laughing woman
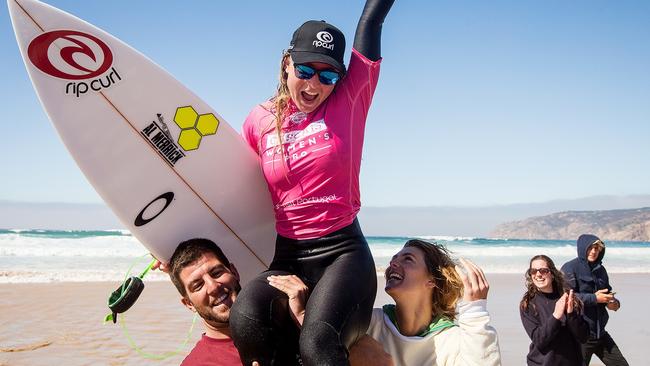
[423, 328]
[551, 316]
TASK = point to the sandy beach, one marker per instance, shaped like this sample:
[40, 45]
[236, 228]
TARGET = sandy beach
[61, 323]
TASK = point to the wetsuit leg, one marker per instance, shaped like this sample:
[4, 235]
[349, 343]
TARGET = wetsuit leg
[339, 308]
[340, 273]
[261, 326]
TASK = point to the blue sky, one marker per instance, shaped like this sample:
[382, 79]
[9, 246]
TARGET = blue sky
[479, 102]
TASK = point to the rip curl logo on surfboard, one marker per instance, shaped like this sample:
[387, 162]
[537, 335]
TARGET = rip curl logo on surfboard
[72, 55]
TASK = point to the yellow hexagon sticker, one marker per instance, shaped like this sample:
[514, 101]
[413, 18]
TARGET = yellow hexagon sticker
[194, 126]
[185, 117]
[189, 139]
[207, 124]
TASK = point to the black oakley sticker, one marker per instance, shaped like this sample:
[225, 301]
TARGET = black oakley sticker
[140, 220]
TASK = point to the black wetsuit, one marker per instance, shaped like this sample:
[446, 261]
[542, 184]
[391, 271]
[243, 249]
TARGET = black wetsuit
[338, 269]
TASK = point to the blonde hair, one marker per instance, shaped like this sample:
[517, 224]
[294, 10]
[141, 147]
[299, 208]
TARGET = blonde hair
[280, 100]
[279, 103]
[597, 244]
[449, 286]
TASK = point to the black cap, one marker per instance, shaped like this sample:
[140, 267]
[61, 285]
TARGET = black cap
[318, 41]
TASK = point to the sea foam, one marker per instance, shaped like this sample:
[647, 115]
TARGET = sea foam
[72, 256]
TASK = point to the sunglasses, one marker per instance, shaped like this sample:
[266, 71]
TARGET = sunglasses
[326, 77]
[542, 271]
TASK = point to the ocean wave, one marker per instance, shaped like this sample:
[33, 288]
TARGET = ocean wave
[93, 246]
[446, 238]
[49, 276]
[517, 251]
[53, 234]
[83, 256]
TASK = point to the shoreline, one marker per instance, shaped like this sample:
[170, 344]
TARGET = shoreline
[50, 323]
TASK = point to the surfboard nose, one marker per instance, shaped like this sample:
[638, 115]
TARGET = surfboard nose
[14, 10]
[20, 13]
[19, 9]
[16, 6]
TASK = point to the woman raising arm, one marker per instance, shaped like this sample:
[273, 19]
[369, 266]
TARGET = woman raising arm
[309, 137]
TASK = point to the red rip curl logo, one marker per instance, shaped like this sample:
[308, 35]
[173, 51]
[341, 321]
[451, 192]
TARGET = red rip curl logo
[72, 47]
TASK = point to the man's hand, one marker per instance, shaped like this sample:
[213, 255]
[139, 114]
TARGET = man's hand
[368, 352]
[297, 292]
[603, 297]
[161, 266]
[614, 304]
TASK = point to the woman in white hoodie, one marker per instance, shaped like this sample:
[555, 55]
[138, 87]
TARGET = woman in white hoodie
[427, 325]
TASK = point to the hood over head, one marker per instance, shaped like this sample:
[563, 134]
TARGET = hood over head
[584, 241]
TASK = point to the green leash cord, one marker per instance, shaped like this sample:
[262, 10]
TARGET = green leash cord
[158, 356]
[124, 297]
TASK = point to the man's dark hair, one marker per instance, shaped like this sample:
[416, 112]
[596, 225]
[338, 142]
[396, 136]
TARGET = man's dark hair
[189, 252]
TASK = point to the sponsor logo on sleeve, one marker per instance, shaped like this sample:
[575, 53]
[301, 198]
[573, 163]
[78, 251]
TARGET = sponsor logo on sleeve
[72, 55]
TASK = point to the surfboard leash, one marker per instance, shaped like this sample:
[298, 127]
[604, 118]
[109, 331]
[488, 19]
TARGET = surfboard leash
[124, 297]
[158, 356]
[127, 294]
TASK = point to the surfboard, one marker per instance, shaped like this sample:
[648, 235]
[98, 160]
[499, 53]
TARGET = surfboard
[168, 165]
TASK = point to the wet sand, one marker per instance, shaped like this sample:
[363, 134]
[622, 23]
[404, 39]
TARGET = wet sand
[61, 323]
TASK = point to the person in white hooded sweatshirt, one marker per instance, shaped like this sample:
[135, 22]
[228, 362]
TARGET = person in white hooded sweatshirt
[425, 326]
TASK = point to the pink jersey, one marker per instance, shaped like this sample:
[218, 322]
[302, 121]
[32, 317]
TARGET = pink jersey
[314, 183]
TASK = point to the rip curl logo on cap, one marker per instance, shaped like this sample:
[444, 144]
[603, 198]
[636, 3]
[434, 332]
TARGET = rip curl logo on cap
[70, 55]
[324, 39]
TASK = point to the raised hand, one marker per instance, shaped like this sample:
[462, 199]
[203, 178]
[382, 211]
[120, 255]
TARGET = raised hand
[297, 292]
[560, 307]
[570, 302]
[475, 285]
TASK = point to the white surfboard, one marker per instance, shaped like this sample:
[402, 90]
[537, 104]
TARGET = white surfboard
[167, 164]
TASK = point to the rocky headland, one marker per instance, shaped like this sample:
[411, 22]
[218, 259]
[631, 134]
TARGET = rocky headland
[624, 225]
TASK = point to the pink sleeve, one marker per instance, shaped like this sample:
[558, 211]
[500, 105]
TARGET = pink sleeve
[362, 78]
[248, 131]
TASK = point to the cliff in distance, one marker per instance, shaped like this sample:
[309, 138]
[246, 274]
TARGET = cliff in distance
[624, 225]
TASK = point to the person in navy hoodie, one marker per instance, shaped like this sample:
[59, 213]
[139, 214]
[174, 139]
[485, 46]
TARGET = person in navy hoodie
[589, 280]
